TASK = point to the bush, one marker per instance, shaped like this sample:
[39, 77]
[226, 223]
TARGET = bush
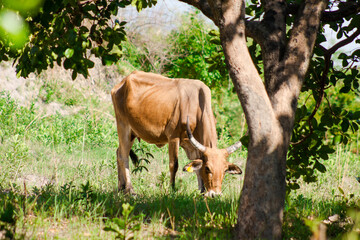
[193, 47]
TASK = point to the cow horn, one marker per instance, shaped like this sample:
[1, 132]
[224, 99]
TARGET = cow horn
[234, 147]
[193, 141]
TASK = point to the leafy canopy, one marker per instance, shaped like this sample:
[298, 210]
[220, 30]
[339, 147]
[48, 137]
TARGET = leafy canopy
[35, 34]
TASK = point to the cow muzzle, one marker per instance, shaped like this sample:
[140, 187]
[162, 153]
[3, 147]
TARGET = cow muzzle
[212, 194]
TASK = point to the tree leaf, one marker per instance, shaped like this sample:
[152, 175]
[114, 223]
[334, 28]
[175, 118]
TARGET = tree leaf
[74, 74]
[345, 89]
[355, 127]
[337, 139]
[319, 166]
[345, 125]
[345, 62]
[342, 56]
[69, 52]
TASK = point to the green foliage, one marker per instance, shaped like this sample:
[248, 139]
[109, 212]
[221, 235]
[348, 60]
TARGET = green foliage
[302, 217]
[64, 32]
[191, 216]
[61, 92]
[13, 30]
[144, 159]
[195, 49]
[87, 195]
[135, 57]
[320, 126]
[331, 115]
[140, 4]
[142, 53]
[7, 219]
[15, 157]
[126, 226]
[87, 128]
[14, 119]
[353, 234]
[294, 225]
[24, 7]
[230, 121]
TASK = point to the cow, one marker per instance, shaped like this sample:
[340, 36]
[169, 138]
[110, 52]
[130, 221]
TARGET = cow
[177, 112]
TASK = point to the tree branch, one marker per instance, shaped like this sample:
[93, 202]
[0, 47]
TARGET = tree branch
[203, 6]
[256, 31]
[318, 101]
[342, 43]
[302, 40]
[345, 9]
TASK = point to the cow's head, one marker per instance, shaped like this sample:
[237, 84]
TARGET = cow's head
[213, 166]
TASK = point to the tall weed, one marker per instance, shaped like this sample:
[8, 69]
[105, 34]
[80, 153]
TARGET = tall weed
[14, 119]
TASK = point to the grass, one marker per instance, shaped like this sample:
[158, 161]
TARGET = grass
[59, 179]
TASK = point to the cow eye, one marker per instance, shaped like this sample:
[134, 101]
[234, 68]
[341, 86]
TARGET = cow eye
[207, 170]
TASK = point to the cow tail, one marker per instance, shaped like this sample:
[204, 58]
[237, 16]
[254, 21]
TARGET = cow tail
[134, 158]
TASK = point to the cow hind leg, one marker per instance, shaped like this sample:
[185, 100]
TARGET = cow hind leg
[121, 171]
[173, 159]
[122, 157]
[134, 158]
[124, 180]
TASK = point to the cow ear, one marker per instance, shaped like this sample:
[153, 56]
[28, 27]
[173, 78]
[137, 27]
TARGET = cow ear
[193, 166]
[233, 169]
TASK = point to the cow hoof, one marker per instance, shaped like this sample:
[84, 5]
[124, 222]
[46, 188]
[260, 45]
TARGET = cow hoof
[130, 192]
[127, 191]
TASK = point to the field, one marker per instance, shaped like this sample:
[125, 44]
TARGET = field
[59, 179]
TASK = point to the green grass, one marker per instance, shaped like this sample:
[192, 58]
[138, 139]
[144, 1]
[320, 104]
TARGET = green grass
[59, 180]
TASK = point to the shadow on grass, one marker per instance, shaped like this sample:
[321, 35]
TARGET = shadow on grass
[189, 215]
[303, 216]
[183, 214]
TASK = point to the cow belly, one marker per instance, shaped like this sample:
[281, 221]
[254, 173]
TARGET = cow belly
[148, 135]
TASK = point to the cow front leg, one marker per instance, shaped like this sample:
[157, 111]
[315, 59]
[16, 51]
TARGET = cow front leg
[124, 181]
[173, 159]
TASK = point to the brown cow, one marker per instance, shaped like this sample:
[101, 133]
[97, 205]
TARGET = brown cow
[161, 110]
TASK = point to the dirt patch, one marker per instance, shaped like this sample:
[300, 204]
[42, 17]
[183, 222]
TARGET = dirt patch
[31, 180]
[19, 88]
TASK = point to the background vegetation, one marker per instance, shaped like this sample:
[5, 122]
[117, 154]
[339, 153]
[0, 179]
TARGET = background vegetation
[58, 171]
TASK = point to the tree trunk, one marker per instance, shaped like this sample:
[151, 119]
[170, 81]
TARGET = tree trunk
[269, 106]
[263, 194]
